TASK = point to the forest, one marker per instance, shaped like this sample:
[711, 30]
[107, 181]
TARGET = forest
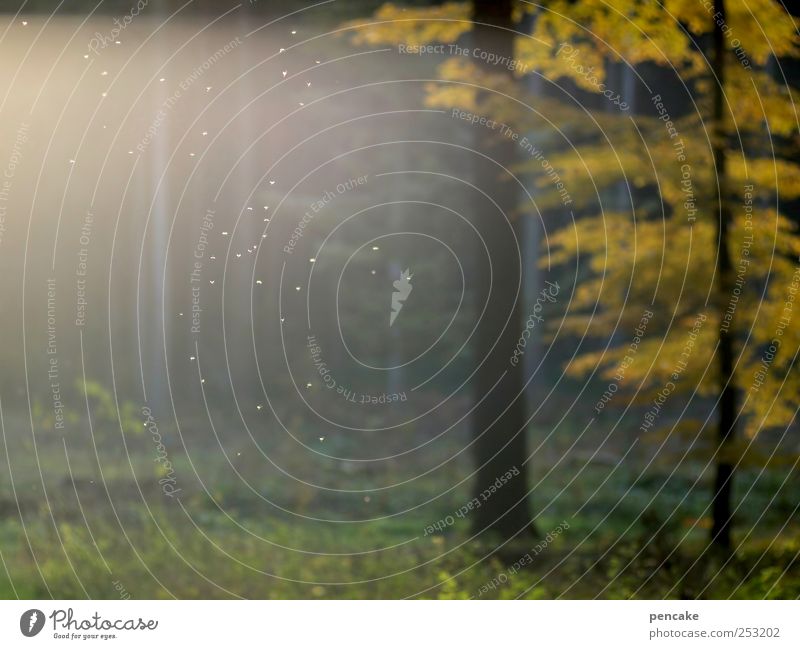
[491, 299]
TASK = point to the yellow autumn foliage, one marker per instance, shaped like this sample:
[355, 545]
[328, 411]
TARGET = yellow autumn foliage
[642, 228]
[414, 26]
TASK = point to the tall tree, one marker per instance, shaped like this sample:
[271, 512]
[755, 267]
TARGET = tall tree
[713, 257]
[499, 444]
[723, 480]
[499, 422]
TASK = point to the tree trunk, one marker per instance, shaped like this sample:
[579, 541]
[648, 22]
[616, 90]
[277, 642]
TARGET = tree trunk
[723, 481]
[499, 446]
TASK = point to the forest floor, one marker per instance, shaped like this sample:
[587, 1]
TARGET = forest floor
[603, 536]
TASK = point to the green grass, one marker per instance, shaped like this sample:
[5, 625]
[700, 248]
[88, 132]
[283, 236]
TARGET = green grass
[228, 542]
[188, 565]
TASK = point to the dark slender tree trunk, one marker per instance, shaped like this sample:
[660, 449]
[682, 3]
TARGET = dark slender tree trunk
[500, 447]
[723, 480]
